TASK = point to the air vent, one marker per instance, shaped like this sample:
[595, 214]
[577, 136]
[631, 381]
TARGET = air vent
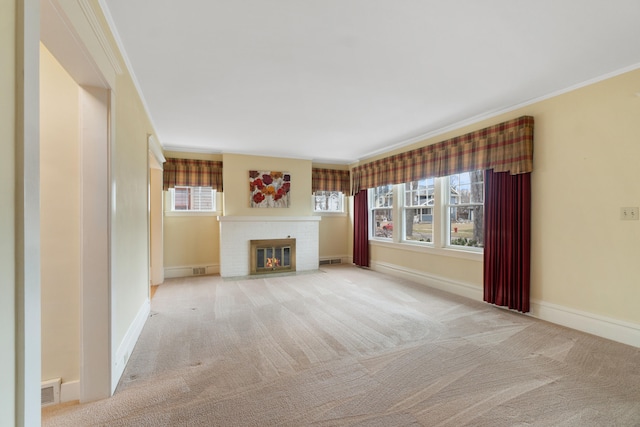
[50, 392]
[198, 271]
[330, 261]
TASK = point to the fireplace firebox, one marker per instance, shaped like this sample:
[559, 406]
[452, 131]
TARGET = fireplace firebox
[272, 256]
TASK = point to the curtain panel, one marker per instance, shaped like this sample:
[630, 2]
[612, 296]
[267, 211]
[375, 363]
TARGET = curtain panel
[330, 180]
[361, 229]
[507, 241]
[505, 147]
[192, 173]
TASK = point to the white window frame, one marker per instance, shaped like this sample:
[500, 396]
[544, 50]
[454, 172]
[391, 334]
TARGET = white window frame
[170, 209]
[377, 221]
[446, 211]
[430, 203]
[341, 202]
[440, 223]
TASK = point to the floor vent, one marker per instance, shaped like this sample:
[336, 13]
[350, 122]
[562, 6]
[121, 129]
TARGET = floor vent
[198, 271]
[330, 261]
[50, 392]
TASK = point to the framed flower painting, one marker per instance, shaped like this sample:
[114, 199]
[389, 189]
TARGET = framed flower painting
[269, 189]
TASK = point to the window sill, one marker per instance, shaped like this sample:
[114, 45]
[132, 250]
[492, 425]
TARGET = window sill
[430, 250]
[192, 213]
[322, 213]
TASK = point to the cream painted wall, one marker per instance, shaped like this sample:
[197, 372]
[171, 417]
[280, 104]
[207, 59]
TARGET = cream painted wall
[586, 151]
[130, 262]
[60, 220]
[334, 237]
[7, 215]
[236, 169]
[156, 245]
[191, 241]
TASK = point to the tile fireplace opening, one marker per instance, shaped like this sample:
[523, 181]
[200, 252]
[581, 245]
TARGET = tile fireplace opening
[272, 256]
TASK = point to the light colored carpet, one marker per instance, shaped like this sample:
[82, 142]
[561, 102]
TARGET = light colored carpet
[350, 347]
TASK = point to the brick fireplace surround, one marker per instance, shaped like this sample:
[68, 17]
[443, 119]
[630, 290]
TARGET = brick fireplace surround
[237, 231]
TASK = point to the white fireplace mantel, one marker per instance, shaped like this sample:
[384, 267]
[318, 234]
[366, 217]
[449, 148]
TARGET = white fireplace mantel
[236, 232]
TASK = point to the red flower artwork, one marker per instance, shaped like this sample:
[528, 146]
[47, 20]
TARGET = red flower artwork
[258, 198]
[269, 189]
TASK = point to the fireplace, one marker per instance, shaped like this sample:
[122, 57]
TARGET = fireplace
[236, 233]
[272, 256]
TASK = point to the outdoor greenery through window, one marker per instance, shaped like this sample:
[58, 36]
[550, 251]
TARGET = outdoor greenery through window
[443, 212]
[193, 199]
[466, 209]
[419, 201]
[382, 211]
[328, 201]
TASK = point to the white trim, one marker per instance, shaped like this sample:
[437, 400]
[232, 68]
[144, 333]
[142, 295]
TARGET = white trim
[92, 19]
[70, 391]
[238, 218]
[116, 36]
[428, 248]
[494, 113]
[602, 326]
[437, 282]
[187, 270]
[128, 343]
[156, 149]
[192, 213]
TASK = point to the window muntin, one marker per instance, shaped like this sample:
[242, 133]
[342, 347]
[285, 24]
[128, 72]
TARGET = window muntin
[419, 201]
[465, 209]
[193, 199]
[381, 211]
[328, 201]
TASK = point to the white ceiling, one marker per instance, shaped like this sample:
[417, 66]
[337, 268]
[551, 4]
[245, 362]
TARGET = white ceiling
[340, 80]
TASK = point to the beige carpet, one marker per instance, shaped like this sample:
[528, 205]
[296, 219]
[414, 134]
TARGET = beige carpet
[350, 347]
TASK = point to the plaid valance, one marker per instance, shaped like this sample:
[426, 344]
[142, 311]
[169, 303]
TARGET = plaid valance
[192, 173]
[330, 180]
[505, 147]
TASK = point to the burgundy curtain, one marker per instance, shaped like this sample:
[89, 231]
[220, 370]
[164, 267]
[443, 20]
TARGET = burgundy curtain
[507, 239]
[361, 229]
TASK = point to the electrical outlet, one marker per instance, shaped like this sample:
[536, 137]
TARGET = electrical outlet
[629, 213]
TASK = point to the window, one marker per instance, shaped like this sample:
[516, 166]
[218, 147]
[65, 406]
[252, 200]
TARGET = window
[193, 199]
[328, 201]
[382, 211]
[419, 200]
[465, 208]
[440, 212]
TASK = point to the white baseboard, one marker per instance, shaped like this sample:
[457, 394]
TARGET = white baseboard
[187, 270]
[430, 280]
[125, 348]
[605, 327]
[69, 391]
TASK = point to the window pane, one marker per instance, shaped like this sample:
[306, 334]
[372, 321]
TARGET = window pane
[467, 225]
[202, 198]
[466, 199]
[383, 223]
[181, 198]
[328, 201]
[382, 196]
[418, 224]
[419, 193]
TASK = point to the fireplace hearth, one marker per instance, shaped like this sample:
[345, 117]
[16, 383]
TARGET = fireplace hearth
[272, 256]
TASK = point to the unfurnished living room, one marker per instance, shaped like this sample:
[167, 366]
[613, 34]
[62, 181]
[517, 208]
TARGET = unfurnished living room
[330, 213]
